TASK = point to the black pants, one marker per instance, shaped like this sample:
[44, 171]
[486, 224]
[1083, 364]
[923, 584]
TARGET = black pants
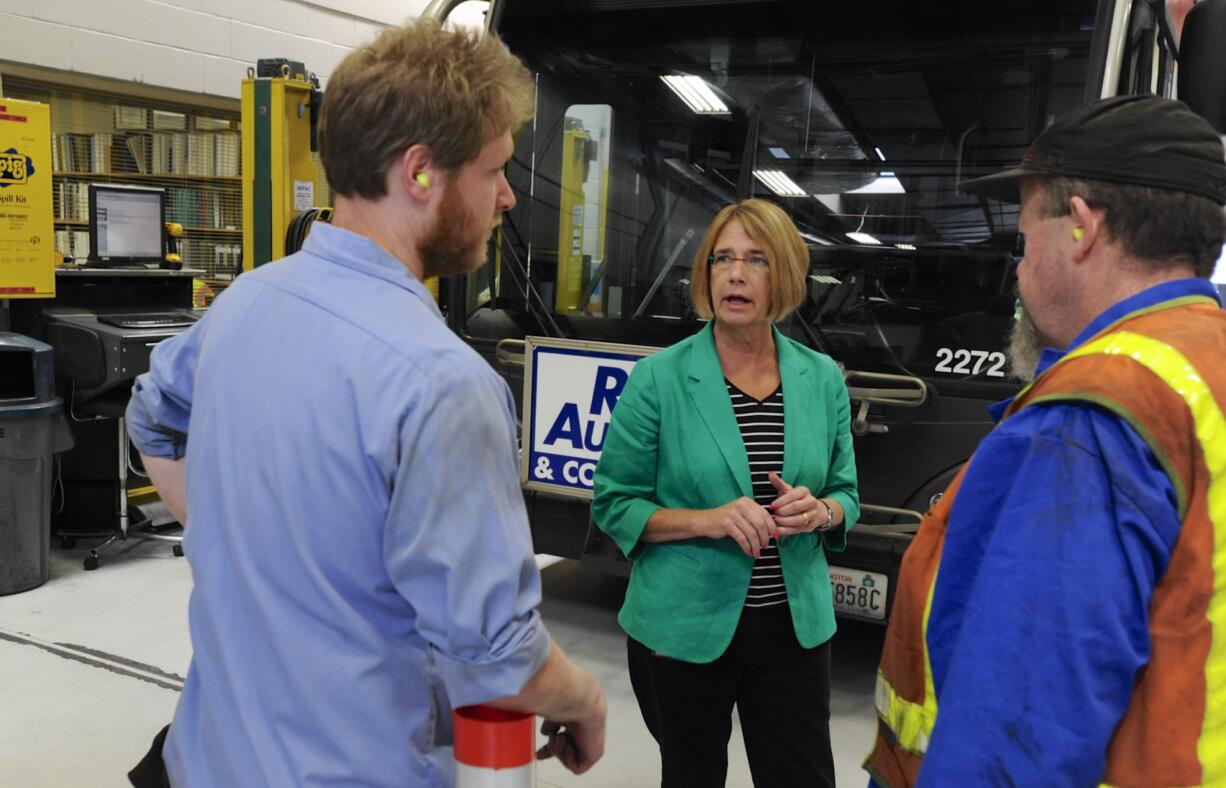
[151, 771]
[781, 691]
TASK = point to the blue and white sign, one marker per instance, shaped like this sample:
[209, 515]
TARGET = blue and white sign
[570, 390]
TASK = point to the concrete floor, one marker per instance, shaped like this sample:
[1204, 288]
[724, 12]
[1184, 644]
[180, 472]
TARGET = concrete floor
[92, 663]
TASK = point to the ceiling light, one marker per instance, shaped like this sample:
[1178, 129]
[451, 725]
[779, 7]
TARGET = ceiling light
[864, 238]
[779, 183]
[779, 153]
[908, 247]
[696, 94]
[880, 155]
[886, 183]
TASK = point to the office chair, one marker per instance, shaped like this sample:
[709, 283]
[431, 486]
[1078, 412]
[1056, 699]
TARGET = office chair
[114, 407]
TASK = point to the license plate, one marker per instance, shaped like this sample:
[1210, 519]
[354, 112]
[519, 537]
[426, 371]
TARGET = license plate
[858, 593]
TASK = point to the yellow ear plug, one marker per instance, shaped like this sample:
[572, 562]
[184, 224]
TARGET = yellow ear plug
[1078, 233]
[424, 180]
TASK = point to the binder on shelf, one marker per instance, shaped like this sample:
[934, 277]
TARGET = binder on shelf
[131, 118]
[138, 148]
[200, 153]
[100, 152]
[226, 154]
[80, 244]
[163, 119]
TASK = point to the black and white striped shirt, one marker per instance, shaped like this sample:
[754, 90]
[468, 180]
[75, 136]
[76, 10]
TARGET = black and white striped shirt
[761, 426]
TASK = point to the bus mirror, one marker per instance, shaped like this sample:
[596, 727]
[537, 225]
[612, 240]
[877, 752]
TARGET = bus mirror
[1202, 62]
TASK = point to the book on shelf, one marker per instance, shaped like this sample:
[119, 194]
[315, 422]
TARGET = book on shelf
[200, 153]
[226, 257]
[80, 244]
[178, 154]
[226, 154]
[173, 121]
[100, 152]
[131, 118]
[73, 200]
[225, 211]
[205, 123]
[138, 148]
[79, 152]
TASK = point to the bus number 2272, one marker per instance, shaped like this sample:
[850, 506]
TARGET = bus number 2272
[960, 361]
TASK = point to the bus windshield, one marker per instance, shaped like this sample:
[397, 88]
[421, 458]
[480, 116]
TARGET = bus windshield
[859, 119]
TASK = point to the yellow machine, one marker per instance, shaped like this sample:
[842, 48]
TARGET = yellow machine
[570, 279]
[27, 231]
[278, 174]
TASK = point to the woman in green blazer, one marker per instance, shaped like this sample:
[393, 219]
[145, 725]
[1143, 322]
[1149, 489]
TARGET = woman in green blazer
[726, 474]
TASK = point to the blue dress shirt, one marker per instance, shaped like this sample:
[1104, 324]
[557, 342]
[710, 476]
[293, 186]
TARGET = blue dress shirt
[357, 535]
[1064, 524]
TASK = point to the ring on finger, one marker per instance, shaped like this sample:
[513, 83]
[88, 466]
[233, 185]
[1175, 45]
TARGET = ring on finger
[806, 520]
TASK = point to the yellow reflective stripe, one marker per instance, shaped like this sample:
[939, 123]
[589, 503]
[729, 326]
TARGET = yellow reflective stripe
[911, 723]
[1177, 372]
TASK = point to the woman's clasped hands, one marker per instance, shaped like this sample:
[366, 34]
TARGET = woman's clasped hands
[752, 525]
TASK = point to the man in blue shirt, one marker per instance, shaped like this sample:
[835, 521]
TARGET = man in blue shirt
[347, 467]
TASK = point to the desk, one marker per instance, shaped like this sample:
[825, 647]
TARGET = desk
[95, 365]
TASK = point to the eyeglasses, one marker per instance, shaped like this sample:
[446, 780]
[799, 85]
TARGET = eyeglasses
[755, 262]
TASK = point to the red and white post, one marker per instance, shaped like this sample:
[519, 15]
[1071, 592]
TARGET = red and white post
[494, 748]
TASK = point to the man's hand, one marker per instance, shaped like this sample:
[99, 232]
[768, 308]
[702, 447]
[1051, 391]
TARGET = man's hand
[744, 520]
[577, 745]
[573, 707]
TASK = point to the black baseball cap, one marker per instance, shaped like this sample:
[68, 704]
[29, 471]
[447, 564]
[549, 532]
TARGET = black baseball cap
[1137, 140]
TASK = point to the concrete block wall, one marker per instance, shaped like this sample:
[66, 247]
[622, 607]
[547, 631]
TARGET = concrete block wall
[199, 46]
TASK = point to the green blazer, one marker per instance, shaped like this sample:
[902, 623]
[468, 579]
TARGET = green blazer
[673, 442]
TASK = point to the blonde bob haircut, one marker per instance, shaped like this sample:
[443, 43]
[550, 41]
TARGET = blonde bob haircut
[772, 229]
[420, 84]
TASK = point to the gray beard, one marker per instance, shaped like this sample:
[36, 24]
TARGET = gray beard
[1025, 347]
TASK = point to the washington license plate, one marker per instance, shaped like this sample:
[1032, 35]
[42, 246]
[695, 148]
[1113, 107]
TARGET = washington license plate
[858, 593]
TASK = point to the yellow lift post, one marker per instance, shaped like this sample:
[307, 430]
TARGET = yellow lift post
[278, 173]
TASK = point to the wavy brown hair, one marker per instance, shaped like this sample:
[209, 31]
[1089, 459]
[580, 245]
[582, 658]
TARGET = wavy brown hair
[450, 90]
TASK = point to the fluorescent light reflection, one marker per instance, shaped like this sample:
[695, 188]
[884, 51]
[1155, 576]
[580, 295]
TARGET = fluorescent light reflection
[886, 183]
[779, 183]
[880, 155]
[814, 239]
[696, 94]
[864, 238]
[908, 247]
[779, 153]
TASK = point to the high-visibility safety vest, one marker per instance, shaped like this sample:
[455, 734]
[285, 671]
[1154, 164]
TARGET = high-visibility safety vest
[1163, 370]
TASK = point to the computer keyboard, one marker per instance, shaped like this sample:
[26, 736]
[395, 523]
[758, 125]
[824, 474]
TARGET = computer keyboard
[150, 320]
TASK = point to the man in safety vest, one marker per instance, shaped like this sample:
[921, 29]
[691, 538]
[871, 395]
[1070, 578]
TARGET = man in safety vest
[1061, 616]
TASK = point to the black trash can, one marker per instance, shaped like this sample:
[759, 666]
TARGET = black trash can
[32, 429]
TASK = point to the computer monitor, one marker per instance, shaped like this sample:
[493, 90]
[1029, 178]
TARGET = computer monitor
[125, 224]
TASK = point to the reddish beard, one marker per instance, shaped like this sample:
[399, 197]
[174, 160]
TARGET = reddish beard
[455, 244]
